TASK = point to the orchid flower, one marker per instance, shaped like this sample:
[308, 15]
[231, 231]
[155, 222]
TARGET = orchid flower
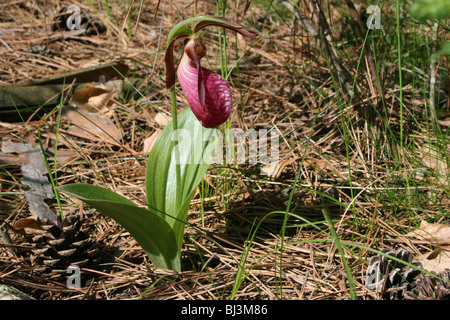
[160, 228]
[208, 94]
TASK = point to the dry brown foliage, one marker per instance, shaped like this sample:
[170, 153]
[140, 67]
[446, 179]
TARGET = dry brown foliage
[272, 88]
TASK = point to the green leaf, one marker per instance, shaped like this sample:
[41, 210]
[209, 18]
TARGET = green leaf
[152, 232]
[195, 144]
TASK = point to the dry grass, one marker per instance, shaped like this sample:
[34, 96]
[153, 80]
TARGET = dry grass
[371, 207]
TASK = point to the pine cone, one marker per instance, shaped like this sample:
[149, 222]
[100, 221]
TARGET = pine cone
[392, 277]
[426, 287]
[64, 244]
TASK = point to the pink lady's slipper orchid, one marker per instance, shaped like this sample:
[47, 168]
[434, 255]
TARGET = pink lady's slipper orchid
[207, 93]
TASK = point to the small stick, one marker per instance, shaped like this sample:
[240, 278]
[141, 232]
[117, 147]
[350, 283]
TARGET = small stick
[433, 77]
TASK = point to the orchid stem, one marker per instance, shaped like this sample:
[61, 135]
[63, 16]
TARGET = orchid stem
[173, 97]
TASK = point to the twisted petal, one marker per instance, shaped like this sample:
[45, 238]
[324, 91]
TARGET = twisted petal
[168, 58]
[207, 93]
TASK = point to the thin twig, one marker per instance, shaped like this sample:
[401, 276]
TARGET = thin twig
[432, 93]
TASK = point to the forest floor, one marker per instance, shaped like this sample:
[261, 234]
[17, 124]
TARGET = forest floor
[256, 231]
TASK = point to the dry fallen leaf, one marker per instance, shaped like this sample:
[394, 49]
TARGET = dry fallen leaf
[437, 261]
[274, 169]
[91, 99]
[63, 155]
[434, 232]
[316, 163]
[162, 119]
[34, 171]
[11, 154]
[92, 126]
[29, 226]
[96, 97]
[438, 234]
[16, 159]
[271, 169]
[150, 141]
[445, 122]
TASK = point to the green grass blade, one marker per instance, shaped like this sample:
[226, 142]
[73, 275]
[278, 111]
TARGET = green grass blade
[337, 241]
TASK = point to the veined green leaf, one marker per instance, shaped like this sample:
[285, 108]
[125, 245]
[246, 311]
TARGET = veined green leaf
[153, 233]
[193, 142]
